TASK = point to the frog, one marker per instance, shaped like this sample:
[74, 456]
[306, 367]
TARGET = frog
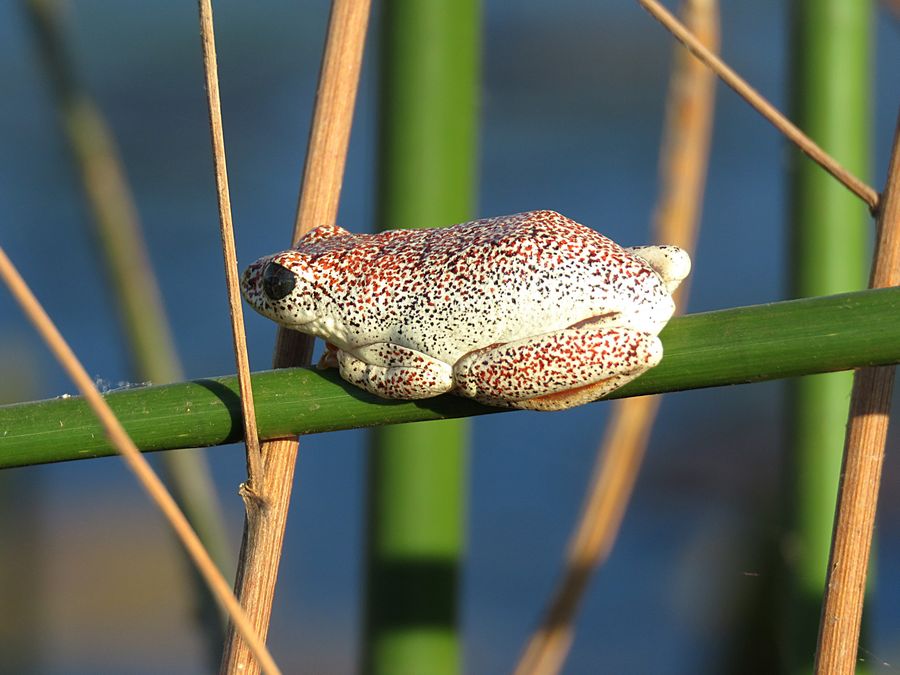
[531, 311]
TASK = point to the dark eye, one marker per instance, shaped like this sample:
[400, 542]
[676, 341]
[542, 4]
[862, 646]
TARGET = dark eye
[278, 281]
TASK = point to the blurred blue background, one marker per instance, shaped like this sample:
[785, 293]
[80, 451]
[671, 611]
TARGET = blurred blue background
[571, 120]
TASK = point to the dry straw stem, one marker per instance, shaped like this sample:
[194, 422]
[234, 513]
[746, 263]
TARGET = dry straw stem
[867, 427]
[211, 71]
[683, 164]
[132, 456]
[329, 135]
[318, 205]
[766, 109]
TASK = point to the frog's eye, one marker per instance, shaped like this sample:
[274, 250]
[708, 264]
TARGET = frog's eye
[278, 281]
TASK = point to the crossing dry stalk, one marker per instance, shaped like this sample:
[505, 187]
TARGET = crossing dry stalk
[226, 228]
[761, 105]
[870, 404]
[318, 205]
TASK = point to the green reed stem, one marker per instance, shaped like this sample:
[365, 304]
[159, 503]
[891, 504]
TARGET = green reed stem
[426, 169]
[830, 83]
[732, 346]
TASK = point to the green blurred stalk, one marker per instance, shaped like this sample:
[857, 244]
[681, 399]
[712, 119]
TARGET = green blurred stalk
[426, 168]
[133, 286]
[830, 100]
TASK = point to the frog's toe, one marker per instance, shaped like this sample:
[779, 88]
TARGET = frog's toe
[329, 357]
[671, 263]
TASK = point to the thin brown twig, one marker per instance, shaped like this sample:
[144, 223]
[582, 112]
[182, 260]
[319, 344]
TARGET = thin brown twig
[132, 456]
[683, 164]
[864, 446]
[757, 101]
[239, 337]
[318, 205]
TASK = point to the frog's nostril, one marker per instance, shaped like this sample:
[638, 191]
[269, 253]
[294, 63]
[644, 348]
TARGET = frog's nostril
[278, 281]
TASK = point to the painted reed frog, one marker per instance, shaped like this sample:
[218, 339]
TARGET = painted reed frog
[530, 310]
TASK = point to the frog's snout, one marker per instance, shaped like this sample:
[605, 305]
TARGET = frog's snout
[277, 281]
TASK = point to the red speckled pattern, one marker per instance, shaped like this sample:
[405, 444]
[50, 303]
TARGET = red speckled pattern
[540, 369]
[404, 306]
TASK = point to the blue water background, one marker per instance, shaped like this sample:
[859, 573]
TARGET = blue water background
[571, 118]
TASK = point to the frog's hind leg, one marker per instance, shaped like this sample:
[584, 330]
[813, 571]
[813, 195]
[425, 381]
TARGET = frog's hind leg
[392, 371]
[557, 370]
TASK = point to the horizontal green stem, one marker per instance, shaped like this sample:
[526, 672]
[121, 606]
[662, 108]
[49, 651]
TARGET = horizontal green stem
[733, 346]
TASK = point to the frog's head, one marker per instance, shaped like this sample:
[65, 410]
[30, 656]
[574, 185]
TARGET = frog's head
[282, 288]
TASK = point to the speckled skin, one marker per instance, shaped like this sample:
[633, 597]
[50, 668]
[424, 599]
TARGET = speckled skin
[530, 310]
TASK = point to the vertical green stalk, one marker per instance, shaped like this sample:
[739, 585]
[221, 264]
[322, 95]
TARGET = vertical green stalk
[830, 54]
[427, 158]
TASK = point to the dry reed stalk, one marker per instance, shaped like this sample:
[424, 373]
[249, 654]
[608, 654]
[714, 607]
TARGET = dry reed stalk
[329, 134]
[758, 102]
[864, 446]
[683, 164]
[133, 458]
[226, 228]
[318, 205]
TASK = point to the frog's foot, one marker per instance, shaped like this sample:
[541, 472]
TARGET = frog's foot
[671, 263]
[391, 371]
[557, 370]
[329, 357]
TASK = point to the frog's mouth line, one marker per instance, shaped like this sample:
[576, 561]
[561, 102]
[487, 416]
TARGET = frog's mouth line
[273, 310]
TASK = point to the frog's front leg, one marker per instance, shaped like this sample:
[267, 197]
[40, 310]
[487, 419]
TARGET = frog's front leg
[392, 371]
[557, 370]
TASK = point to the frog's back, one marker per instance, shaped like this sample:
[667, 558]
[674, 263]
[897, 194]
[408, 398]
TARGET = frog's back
[446, 291]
